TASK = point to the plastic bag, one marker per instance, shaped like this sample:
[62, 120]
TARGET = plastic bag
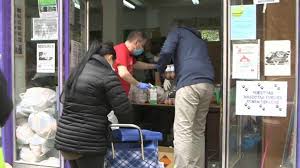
[27, 155]
[37, 99]
[161, 95]
[40, 146]
[43, 124]
[113, 119]
[24, 134]
[20, 113]
[138, 96]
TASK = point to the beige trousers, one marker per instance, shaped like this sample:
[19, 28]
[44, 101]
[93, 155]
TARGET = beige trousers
[192, 104]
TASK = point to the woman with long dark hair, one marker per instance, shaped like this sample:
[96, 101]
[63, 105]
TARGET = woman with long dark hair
[91, 92]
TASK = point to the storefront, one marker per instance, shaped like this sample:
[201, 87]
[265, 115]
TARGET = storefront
[252, 121]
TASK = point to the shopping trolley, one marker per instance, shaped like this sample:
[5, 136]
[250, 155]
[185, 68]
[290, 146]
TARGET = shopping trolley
[132, 147]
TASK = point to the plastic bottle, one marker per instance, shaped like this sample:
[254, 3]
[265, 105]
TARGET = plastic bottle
[153, 95]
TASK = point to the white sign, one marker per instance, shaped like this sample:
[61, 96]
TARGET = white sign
[261, 98]
[265, 1]
[245, 61]
[45, 58]
[44, 29]
[277, 58]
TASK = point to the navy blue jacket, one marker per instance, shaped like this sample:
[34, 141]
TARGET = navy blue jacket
[190, 56]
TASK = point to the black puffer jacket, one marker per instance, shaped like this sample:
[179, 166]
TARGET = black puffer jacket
[83, 126]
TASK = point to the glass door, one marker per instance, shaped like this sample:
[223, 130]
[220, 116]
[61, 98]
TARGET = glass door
[35, 67]
[261, 84]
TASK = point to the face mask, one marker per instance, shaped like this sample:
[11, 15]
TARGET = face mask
[138, 52]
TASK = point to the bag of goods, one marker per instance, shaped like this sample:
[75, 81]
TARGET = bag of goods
[161, 94]
[138, 96]
[170, 72]
[37, 99]
[170, 101]
[20, 113]
[40, 146]
[43, 124]
[24, 134]
[27, 155]
[51, 110]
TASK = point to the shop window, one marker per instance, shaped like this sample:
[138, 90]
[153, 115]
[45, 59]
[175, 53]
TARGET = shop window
[262, 82]
[35, 81]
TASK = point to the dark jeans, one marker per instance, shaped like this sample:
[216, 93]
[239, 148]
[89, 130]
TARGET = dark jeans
[96, 161]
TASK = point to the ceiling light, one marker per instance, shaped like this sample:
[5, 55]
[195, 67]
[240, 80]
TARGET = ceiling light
[195, 2]
[128, 4]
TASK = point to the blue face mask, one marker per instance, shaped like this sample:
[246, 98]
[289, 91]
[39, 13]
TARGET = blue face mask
[138, 52]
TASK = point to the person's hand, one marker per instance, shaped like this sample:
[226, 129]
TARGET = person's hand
[143, 86]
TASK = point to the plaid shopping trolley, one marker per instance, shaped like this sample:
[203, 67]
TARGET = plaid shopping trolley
[133, 148]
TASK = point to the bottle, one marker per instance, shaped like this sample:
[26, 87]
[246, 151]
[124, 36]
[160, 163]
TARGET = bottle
[153, 95]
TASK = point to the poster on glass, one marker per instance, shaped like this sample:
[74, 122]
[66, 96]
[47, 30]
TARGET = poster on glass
[44, 29]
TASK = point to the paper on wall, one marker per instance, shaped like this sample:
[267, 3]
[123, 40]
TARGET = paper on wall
[277, 58]
[243, 22]
[265, 1]
[47, 8]
[45, 58]
[44, 28]
[75, 53]
[261, 98]
[245, 61]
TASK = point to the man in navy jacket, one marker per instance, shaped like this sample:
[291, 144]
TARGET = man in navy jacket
[194, 78]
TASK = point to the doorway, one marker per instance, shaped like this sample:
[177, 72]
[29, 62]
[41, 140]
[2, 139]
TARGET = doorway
[113, 20]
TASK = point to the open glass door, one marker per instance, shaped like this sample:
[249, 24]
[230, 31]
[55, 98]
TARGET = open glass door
[261, 84]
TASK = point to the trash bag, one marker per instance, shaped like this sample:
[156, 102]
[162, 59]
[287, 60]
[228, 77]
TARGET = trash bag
[40, 146]
[43, 124]
[27, 155]
[24, 134]
[37, 99]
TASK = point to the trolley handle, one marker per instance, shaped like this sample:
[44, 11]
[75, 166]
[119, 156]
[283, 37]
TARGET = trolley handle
[128, 126]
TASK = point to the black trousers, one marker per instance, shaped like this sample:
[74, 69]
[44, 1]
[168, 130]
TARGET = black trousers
[96, 161]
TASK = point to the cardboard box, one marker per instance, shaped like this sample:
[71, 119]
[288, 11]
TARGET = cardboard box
[166, 155]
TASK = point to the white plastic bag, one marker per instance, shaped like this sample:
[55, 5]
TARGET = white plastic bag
[40, 146]
[37, 99]
[113, 119]
[43, 124]
[27, 155]
[137, 95]
[20, 113]
[24, 134]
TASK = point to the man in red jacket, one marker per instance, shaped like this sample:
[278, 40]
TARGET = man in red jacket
[126, 63]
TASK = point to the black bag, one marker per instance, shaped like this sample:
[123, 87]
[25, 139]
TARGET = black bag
[5, 101]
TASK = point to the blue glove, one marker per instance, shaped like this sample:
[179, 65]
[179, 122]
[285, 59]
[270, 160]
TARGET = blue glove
[143, 86]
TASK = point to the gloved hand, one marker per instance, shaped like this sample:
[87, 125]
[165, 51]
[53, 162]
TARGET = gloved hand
[143, 86]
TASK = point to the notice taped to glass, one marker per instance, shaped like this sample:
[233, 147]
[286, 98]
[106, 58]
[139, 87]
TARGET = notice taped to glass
[261, 98]
[277, 58]
[47, 8]
[45, 58]
[265, 1]
[44, 29]
[245, 61]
